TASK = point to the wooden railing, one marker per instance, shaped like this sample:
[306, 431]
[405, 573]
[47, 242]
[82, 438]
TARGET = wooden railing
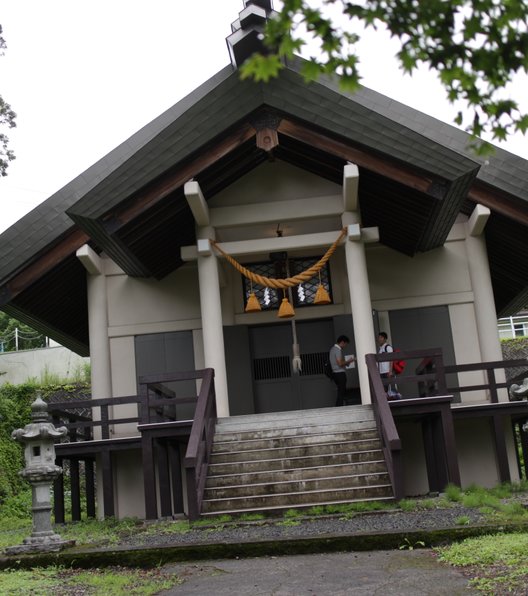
[200, 444]
[434, 374]
[492, 384]
[432, 377]
[391, 443]
[81, 421]
[155, 419]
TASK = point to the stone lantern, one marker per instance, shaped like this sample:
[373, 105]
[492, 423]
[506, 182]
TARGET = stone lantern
[518, 393]
[40, 471]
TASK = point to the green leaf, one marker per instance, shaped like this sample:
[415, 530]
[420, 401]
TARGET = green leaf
[311, 70]
[522, 124]
[261, 68]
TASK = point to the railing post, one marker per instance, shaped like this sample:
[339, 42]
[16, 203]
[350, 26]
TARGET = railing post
[192, 496]
[492, 382]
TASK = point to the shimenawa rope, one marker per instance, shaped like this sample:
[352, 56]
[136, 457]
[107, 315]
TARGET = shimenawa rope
[288, 282]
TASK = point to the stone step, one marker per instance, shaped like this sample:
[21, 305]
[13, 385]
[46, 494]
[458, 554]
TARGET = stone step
[330, 447]
[295, 418]
[307, 461]
[296, 474]
[295, 459]
[222, 446]
[297, 499]
[266, 489]
[290, 431]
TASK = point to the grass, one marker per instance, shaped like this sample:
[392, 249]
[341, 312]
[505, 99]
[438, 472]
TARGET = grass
[96, 582]
[93, 531]
[408, 505]
[13, 531]
[453, 493]
[250, 517]
[498, 564]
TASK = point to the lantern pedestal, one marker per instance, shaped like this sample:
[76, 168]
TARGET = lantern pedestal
[40, 472]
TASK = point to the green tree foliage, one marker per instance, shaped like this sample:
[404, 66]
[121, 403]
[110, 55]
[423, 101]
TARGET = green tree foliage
[7, 120]
[12, 330]
[15, 412]
[475, 46]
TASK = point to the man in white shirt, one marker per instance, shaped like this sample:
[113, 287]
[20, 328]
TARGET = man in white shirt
[385, 368]
[338, 362]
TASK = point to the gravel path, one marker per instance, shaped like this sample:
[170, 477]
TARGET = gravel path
[303, 528]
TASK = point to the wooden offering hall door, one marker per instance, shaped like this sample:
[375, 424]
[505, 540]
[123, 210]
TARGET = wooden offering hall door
[276, 387]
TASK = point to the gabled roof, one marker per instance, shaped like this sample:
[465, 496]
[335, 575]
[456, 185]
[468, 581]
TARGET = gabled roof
[416, 175]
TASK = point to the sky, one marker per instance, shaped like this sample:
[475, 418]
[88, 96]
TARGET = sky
[83, 76]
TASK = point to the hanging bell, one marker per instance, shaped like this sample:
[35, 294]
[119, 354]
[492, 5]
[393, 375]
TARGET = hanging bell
[252, 305]
[286, 310]
[322, 296]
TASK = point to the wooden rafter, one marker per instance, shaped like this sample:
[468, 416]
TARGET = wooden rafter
[43, 264]
[499, 202]
[397, 172]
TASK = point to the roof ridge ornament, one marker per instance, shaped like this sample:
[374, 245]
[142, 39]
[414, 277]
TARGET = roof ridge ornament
[247, 32]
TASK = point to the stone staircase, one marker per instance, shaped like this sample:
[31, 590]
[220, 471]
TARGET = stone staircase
[296, 459]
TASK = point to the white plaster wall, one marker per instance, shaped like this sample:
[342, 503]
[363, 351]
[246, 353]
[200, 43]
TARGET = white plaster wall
[475, 445]
[129, 495]
[25, 365]
[440, 276]
[274, 181]
[140, 306]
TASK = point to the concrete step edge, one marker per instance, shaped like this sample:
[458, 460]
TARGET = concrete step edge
[219, 441]
[305, 468]
[296, 414]
[297, 493]
[281, 482]
[291, 423]
[286, 507]
[291, 447]
[297, 457]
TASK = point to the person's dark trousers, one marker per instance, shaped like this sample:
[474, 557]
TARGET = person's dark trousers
[340, 380]
[385, 376]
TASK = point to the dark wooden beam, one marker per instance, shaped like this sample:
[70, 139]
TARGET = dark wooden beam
[398, 172]
[176, 475]
[499, 201]
[168, 184]
[89, 476]
[58, 495]
[43, 264]
[162, 457]
[108, 483]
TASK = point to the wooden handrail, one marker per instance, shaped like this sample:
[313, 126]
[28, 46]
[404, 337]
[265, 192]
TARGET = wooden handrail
[200, 444]
[391, 443]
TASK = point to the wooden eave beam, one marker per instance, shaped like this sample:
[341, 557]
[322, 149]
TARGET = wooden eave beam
[397, 172]
[42, 265]
[168, 184]
[499, 201]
